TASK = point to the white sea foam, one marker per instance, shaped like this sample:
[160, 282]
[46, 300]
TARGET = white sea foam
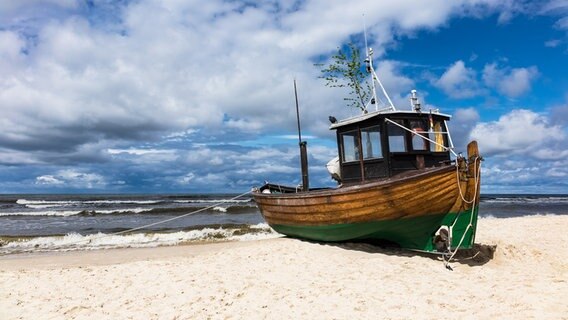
[220, 209]
[212, 201]
[59, 213]
[122, 202]
[525, 200]
[68, 204]
[40, 204]
[66, 213]
[262, 225]
[76, 241]
[491, 216]
[43, 204]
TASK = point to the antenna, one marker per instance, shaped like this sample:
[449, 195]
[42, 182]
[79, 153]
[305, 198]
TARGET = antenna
[365, 33]
[381, 85]
[297, 113]
[371, 70]
[369, 63]
[303, 147]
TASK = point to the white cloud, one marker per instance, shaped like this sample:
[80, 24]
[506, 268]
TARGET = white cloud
[188, 178]
[553, 43]
[524, 151]
[463, 121]
[562, 23]
[554, 5]
[11, 157]
[166, 67]
[140, 152]
[458, 81]
[522, 176]
[203, 155]
[84, 179]
[559, 114]
[16, 12]
[550, 154]
[75, 88]
[295, 137]
[557, 8]
[48, 179]
[145, 156]
[244, 125]
[557, 172]
[396, 84]
[510, 82]
[509, 9]
[73, 178]
[501, 173]
[466, 115]
[10, 46]
[518, 132]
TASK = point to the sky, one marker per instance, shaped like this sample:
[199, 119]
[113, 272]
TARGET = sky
[186, 96]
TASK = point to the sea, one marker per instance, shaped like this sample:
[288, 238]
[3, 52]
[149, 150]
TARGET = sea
[45, 223]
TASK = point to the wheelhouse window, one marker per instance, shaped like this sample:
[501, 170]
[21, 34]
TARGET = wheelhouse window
[438, 136]
[419, 129]
[371, 142]
[350, 143]
[397, 140]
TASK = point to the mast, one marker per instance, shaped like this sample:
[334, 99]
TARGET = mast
[303, 147]
[374, 77]
[369, 63]
[371, 70]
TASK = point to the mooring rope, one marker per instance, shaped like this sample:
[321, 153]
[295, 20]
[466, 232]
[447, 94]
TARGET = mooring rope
[102, 236]
[472, 201]
[476, 179]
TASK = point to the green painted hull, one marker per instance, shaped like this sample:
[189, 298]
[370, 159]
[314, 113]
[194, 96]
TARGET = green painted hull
[410, 233]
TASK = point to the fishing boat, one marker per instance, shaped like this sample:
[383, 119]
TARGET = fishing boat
[399, 181]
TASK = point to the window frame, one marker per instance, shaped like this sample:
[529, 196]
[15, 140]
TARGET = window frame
[377, 139]
[356, 146]
[391, 129]
[419, 129]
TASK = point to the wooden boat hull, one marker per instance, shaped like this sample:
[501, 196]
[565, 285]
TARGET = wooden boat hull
[412, 233]
[407, 211]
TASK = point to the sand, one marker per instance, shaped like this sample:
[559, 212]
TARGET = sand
[520, 273]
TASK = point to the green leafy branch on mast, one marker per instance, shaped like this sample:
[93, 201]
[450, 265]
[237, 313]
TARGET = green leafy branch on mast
[346, 71]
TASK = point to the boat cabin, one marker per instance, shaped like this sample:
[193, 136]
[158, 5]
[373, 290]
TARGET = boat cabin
[383, 144]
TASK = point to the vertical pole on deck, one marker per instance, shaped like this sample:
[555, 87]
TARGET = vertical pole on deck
[303, 147]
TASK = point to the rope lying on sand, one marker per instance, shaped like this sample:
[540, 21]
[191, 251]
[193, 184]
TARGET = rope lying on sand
[102, 236]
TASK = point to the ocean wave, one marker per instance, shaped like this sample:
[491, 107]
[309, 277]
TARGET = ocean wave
[527, 200]
[44, 204]
[136, 210]
[213, 201]
[122, 202]
[67, 213]
[74, 241]
[239, 209]
[493, 216]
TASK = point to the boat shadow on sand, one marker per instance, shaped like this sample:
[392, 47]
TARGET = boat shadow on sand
[479, 255]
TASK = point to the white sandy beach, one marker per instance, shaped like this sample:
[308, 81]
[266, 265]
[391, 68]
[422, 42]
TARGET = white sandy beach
[526, 278]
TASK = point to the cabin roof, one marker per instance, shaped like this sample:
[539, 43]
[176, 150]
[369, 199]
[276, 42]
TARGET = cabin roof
[384, 114]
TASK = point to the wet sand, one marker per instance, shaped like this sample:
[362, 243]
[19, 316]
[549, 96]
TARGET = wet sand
[519, 269]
